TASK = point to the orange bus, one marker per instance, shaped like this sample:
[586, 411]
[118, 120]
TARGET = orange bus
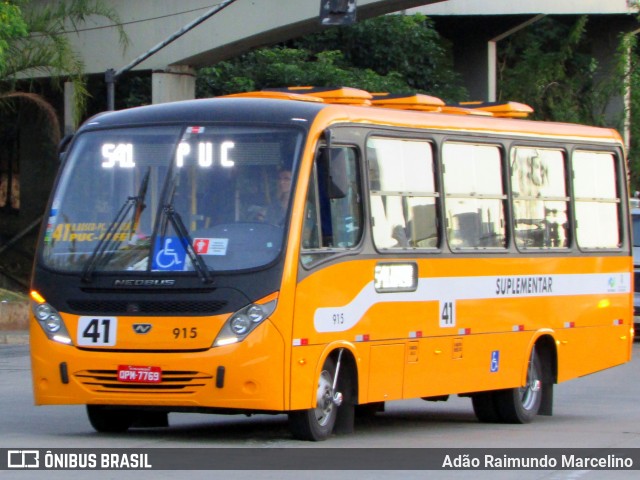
[319, 252]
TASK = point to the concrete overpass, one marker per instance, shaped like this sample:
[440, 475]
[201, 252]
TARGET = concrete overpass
[242, 25]
[477, 26]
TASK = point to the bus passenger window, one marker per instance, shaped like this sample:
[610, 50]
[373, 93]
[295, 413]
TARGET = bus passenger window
[333, 213]
[597, 200]
[540, 201]
[402, 193]
[474, 197]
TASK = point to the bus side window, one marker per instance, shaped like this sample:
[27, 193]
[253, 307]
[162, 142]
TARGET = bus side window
[333, 213]
[402, 193]
[540, 201]
[474, 196]
[597, 200]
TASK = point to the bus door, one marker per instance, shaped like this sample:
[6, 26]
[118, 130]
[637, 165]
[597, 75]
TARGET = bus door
[329, 277]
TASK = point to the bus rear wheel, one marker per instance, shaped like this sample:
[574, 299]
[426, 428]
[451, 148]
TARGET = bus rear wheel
[108, 419]
[317, 423]
[521, 405]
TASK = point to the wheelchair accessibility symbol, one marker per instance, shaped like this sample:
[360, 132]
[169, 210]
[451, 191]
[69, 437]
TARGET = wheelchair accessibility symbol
[495, 361]
[170, 254]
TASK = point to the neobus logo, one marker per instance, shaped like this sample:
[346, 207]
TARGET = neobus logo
[142, 328]
[144, 283]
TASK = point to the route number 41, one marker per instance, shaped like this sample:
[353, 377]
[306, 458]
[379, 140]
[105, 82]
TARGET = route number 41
[447, 313]
[97, 331]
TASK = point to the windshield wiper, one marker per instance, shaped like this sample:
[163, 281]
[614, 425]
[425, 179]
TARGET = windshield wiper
[108, 239]
[170, 215]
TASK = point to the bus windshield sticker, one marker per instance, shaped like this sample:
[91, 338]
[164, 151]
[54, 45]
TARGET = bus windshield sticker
[170, 255]
[211, 246]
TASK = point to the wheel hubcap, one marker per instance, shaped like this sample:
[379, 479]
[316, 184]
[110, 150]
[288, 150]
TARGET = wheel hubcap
[529, 393]
[325, 399]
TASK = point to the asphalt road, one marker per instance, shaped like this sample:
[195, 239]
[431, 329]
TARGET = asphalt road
[599, 411]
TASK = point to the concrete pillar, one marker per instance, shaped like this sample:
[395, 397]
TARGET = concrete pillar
[492, 56]
[69, 109]
[173, 84]
[471, 62]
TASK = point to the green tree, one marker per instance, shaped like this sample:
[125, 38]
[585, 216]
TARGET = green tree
[404, 45]
[632, 76]
[394, 53]
[281, 66]
[12, 26]
[34, 44]
[550, 66]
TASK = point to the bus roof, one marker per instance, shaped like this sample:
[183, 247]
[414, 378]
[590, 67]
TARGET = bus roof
[329, 106]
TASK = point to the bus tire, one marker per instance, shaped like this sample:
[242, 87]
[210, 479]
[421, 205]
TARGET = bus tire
[316, 424]
[485, 408]
[521, 405]
[109, 420]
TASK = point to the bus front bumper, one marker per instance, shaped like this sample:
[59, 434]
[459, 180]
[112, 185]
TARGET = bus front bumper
[246, 376]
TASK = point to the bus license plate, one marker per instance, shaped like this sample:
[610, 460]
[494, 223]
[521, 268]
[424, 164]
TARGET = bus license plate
[135, 374]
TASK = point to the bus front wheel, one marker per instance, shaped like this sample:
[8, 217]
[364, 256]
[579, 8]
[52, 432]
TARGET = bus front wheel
[317, 423]
[108, 419]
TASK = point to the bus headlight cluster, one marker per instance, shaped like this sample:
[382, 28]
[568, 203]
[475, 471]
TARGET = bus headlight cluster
[50, 320]
[243, 322]
[48, 317]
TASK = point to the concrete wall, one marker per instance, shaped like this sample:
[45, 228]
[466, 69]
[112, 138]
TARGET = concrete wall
[521, 7]
[242, 25]
[476, 27]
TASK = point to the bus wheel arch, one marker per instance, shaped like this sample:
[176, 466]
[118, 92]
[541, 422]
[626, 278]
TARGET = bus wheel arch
[334, 408]
[535, 397]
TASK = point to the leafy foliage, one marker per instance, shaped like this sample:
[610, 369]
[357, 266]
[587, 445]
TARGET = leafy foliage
[281, 66]
[549, 66]
[358, 56]
[43, 48]
[12, 26]
[632, 75]
[405, 45]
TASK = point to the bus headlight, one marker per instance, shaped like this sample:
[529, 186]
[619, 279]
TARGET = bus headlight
[50, 320]
[243, 322]
[53, 323]
[240, 324]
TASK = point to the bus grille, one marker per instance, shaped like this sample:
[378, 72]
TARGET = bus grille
[121, 307]
[173, 382]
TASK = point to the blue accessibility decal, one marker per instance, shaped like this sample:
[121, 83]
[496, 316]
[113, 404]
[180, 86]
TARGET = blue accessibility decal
[495, 361]
[169, 255]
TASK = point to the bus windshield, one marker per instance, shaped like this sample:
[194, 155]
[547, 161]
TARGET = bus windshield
[155, 199]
